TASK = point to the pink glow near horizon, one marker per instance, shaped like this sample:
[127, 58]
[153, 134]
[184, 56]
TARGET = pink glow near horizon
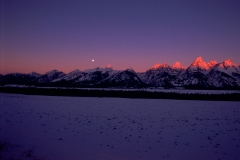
[41, 36]
[66, 68]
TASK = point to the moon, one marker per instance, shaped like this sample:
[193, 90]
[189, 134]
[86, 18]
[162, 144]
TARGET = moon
[92, 60]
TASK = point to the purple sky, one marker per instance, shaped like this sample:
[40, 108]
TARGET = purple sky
[41, 35]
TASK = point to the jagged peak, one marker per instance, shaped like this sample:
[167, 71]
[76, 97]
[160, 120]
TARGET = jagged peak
[212, 63]
[199, 59]
[177, 65]
[34, 74]
[200, 63]
[98, 69]
[229, 63]
[74, 71]
[52, 71]
[158, 65]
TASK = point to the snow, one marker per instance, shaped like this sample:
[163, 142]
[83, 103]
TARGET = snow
[159, 66]
[212, 63]
[50, 76]
[98, 69]
[72, 75]
[227, 68]
[177, 65]
[118, 128]
[210, 74]
[199, 63]
[229, 63]
[156, 66]
[142, 76]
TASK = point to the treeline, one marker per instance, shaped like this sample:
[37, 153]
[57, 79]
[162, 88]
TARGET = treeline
[120, 94]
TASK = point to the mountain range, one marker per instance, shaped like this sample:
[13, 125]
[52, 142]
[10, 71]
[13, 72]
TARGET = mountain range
[199, 74]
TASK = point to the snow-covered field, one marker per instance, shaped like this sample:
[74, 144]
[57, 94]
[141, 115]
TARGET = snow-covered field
[45, 127]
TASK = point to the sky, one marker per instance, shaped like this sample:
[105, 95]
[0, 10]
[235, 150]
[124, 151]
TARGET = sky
[67, 34]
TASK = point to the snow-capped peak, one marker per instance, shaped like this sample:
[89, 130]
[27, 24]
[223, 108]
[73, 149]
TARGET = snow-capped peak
[93, 70]
[199, 63]
[229, 63]
[164, 65]
[198, 60]
[98, 69]
[71, 75]
[75, 71]
[212, 63]
[157, 66]
[177, 65]
[228, 67]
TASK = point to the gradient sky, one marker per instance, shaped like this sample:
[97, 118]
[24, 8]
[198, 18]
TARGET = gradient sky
[41, 35]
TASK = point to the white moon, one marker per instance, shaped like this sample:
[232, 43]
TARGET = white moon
[92, 60]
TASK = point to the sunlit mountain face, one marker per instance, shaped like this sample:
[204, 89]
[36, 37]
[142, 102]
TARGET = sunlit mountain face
[177, 65]
[199, 74]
